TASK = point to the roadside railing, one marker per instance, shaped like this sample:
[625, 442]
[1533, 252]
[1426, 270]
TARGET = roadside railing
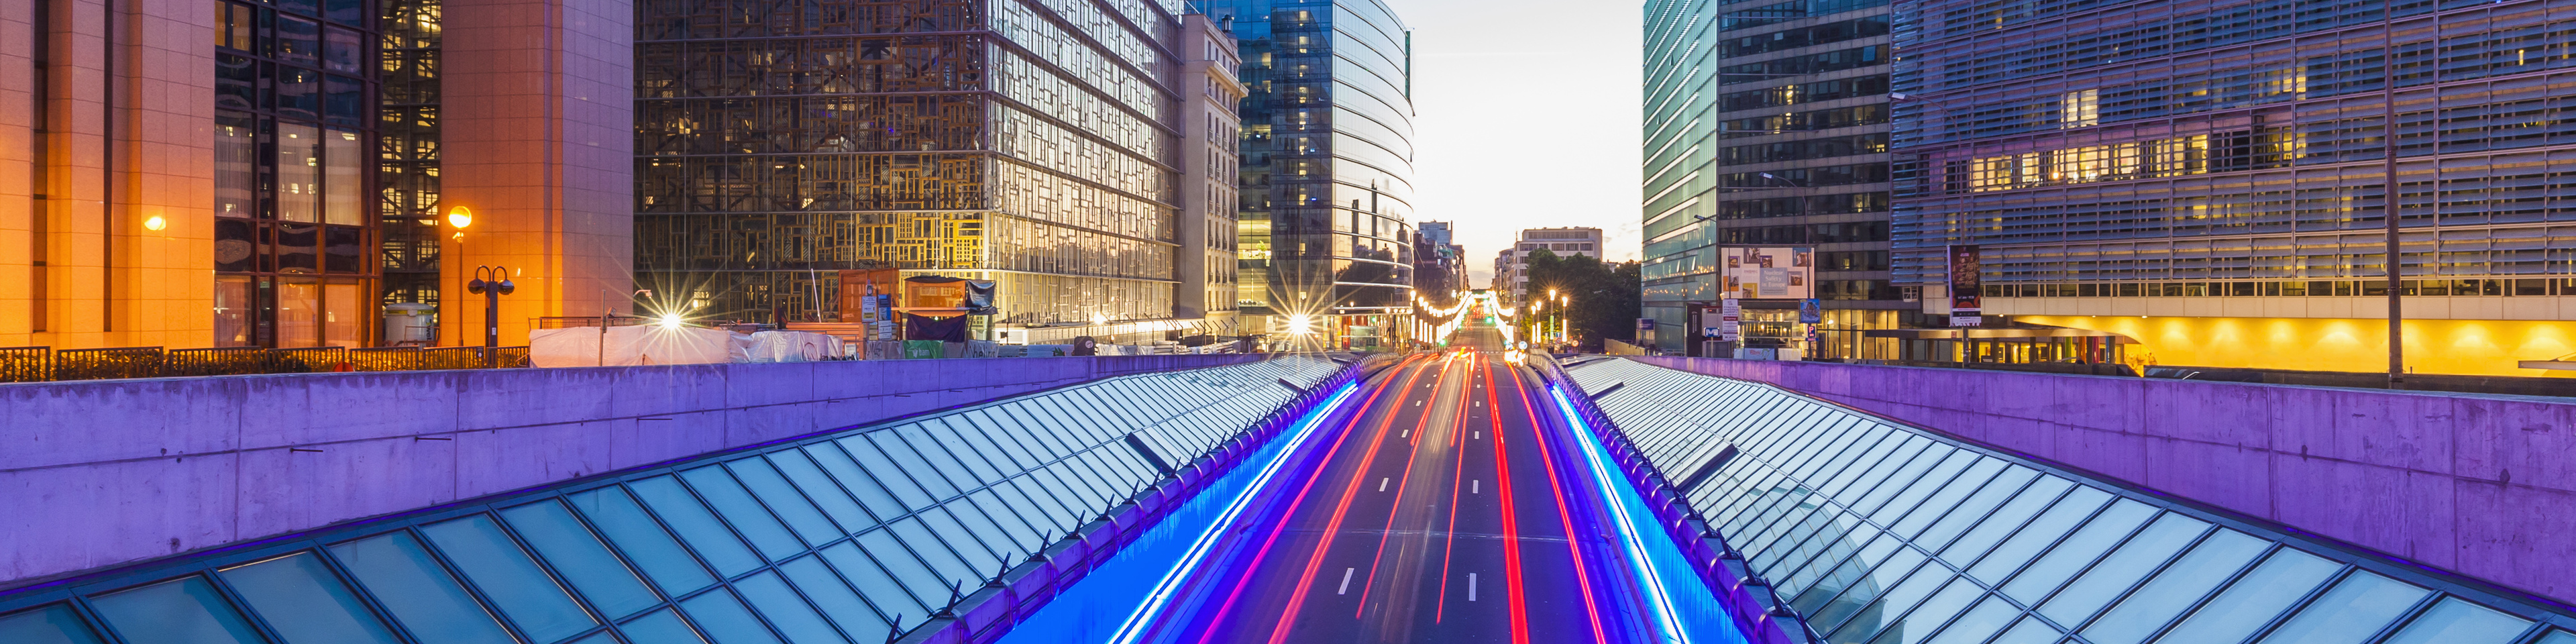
[44, 364]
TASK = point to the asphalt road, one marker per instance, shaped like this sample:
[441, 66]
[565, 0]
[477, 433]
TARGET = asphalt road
[1444, 504]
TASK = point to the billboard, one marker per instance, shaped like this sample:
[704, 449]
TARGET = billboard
[1966, 307]
[1767, 273]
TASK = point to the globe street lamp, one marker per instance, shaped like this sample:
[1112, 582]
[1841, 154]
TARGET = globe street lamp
[491, 290]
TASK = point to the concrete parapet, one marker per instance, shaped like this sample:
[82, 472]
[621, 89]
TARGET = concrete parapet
[2476, 484]
[99, 473]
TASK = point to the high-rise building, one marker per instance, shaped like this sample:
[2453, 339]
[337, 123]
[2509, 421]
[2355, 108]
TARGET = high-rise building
[195, 174]
[1044, 149]
[1213, 94]
[2223, 199]
[1511, 271]
[1766, 126]
[1327, 168]
[1439, 264]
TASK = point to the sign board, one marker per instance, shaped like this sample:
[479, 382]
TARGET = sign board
[1730, 320]
[1645, 324]
[1768, 273]
[1965, 287]
[1811, 311]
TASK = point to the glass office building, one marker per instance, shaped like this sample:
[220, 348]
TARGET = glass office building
[1766, 125]
[1035, 144]
[1327, 178]
[843, 538]
[1869, 531]
[2207, 163]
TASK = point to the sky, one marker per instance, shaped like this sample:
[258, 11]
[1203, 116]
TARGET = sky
[1527, 116]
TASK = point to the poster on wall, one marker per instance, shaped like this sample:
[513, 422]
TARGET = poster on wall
[1769, 273]
[1966, 306]
[1730, 320]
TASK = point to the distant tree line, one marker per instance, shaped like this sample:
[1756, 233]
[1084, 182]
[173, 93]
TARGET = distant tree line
[1604, 300]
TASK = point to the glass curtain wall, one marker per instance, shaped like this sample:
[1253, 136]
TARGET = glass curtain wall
[848, 538]
[407, 153]
[1870, 531]
[1766, 124]
[1031, 143]
[2082, 142]
[1327, 165]
[295, 137]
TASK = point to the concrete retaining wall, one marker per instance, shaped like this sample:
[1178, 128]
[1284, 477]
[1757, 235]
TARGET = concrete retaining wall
[99, 473]
[2481, 485]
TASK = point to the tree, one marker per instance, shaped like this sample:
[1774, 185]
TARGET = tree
[1604, 300]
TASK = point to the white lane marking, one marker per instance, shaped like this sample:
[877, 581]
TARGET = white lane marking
[1417, 403]
[1471, 586]
[1407, 434]
[1381, 484]
[1476, 486]
[1346, 581]
[1480, 434]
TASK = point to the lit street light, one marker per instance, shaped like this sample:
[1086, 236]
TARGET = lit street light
[491, 290]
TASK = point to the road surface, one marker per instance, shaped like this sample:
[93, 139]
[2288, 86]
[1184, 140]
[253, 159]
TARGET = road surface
[1445, 503]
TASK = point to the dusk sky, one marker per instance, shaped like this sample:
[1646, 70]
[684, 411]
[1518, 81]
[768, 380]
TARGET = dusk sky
[1528, 118]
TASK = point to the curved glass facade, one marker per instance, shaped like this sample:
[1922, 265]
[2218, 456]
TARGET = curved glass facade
[842, 538]
[1873, 532]
[1327, 164]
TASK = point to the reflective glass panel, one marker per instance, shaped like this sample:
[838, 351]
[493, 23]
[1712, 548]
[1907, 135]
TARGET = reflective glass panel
[696, 526]
[2124, 568]
[742, 512]
[872, 582]
[1990, 615]
[725, 619]
[2557, 637]
[305, 603]
[893, 478]
[2283, 579]
[1994, 528]
[2028, 541]
[186, 610]
[2355, 610]
[580, 558]
[1936, 610]
[651, 548]
[921, 580]
[660, 627]
[420, 594]
[787, 611]
[2175, 590]
[821, 586]
[54, 624]
[515, 583]
[880, 503]
[2078, 550]
[2459, 622]
[820, 488]
[783, 498]
[2030, 631]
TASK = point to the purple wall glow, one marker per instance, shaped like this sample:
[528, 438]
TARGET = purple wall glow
[2480, 485]
[100, 473]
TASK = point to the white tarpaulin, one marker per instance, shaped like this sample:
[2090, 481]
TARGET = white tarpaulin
[646, 345]
[785, 346]
[629, 346]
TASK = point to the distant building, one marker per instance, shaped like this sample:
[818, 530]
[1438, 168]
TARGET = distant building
[1439, 265]
[1561, 241]
[1327, 168]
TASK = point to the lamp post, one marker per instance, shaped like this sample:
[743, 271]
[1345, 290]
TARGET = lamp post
[491, 290]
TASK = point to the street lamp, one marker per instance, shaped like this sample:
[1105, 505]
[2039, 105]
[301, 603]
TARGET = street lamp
[491, 290]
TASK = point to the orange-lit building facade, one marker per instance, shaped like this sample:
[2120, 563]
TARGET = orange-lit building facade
[222, 173]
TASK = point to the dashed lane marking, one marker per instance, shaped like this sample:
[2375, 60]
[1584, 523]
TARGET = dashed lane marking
[1346, 581]
[1381, 483]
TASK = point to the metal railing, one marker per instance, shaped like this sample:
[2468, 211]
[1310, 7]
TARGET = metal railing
[44, 364]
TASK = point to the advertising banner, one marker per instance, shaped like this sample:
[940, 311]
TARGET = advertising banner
[1811, 311]
[1965, 289]
[1768, 273]
[1730, 317]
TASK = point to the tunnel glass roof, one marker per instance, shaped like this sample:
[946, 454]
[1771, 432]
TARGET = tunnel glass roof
[1877, 532]
[834, 539]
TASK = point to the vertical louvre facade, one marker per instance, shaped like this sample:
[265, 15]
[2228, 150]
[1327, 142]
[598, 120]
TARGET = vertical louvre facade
[2090, 146]
[845, 538]
[1867, 531]
[1327, 176]
[1766, 125]
[1032, 142]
